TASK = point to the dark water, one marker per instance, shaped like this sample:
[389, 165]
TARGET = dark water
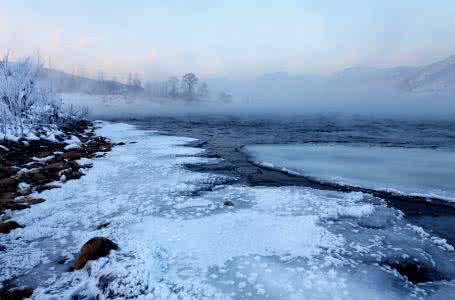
[223, 137]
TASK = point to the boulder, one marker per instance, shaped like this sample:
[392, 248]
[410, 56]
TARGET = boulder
[414, 270]
[8, 226]
[8, 185]
[72, 155]
[103, 225]
[7, 172]
[228, 203]
[15, 293]
[95, 248]
[32, 200]
[46, 187]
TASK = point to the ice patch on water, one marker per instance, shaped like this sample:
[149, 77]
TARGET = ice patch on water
[421, 172]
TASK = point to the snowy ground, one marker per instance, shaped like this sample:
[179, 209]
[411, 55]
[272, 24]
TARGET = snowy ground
[176, 243]
[427, 172]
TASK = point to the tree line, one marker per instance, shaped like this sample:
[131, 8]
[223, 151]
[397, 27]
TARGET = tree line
[189, 87]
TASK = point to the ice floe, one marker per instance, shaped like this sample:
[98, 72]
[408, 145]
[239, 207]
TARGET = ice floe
[423, 172]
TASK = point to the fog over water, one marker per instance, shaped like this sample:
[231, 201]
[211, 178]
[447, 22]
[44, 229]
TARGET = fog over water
[368, 103]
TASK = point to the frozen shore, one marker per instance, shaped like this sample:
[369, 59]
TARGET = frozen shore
[177, 242]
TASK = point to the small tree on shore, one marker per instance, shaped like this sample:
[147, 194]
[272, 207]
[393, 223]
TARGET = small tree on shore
[172, 86]
[189, 82]
[203, 91]
[25, 104]
[225, 97]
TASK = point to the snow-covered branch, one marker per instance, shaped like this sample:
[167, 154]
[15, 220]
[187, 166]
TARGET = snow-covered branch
[26, 105]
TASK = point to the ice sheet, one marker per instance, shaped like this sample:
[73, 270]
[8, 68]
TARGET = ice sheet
[428, 172]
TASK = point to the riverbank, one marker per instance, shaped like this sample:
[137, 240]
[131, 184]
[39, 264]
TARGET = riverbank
[37, 163]
[201, 235]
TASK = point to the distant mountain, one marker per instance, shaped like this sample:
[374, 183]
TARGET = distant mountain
[436, 78]
[62, 82]
[390, 75]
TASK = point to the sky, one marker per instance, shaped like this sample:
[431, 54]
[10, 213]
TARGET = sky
[235, 38]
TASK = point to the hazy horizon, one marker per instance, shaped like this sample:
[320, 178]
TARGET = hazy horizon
[234, 39]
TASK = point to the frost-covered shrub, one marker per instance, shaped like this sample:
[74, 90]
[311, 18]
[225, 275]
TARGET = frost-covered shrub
[25, 104]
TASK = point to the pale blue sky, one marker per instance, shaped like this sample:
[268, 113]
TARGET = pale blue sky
[228, 38]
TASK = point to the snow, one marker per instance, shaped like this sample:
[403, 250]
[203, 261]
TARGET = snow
[43, 159]
[427, 172]
[177, 242]
[72, 146]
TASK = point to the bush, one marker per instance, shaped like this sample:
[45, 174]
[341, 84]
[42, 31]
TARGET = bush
[25, 104]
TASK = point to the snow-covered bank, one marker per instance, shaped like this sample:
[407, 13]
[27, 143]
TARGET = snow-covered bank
[411, 171]
[275, 243]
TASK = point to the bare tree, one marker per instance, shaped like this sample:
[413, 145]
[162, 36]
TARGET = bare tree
[189, 82]
[203, 91]
[225, 97]
[136, 81]
[172, 85]
[130, 79]
[24, 104]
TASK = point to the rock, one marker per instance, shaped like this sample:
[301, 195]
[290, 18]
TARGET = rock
[8, 226]
[8, 185]
[7, 172]
[415, 271]
[54, 168]
[120, 144]
[86, 166]
[72, 155]
[36, 177]
[15, 293]
[95, 248]
[2, 248]
[62, 260]
[33, 201]
[103, 225]
[104, 281]
[46, 187]
[8, 201]
[228, 203]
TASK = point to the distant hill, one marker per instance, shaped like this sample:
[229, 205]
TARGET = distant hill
[435, 78]
[62, 82]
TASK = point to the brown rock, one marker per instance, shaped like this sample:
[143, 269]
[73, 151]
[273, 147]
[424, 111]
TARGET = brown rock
[8, 201]
[8, 185]
[33, 201]
[54, 168]
[103, 225]
[46, 187]
[72, 155]
[62, 260]
[36, 177]
[228, 203]
[95, 248]
[16, 294]
[6, 227]
[7, 172]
